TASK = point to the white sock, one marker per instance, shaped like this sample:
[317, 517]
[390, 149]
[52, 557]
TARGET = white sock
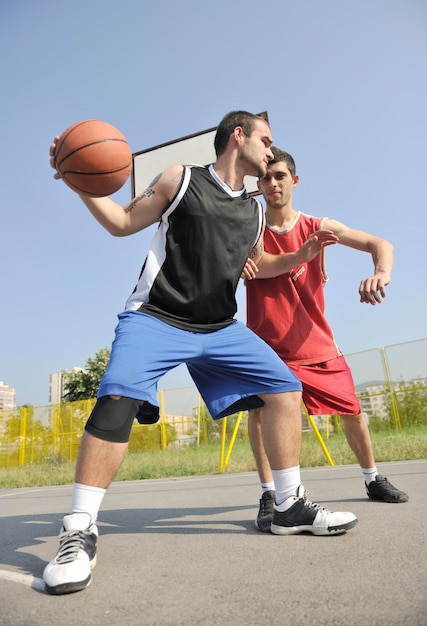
[267, 486]
[87, 500]
[369, 474]
[286, 482]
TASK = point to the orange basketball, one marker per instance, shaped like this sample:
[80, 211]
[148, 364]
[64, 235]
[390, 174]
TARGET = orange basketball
[93, 158]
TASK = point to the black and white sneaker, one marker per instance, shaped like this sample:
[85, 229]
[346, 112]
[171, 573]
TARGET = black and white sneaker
[381, 489]
[298, 515]
[265, 512]
[71, 569]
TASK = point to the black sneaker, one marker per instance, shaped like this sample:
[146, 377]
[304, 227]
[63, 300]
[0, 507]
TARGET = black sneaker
[71, 569]
[265, 513]
[381, 489]
[297, 515]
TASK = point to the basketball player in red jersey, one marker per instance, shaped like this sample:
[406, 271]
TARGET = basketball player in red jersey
[288, 312]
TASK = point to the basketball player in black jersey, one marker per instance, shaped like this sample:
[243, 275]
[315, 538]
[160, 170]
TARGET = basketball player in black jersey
[182, 311]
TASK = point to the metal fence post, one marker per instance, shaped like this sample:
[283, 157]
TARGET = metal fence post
[22, 436]
[199, 410]
[163, 438]
[393, 402]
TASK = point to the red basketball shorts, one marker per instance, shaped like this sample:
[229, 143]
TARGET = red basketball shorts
[328, 388]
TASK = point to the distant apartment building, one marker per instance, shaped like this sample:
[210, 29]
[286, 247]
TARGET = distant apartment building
[419, 382]
[7, 397]
[57, 385]
[374, 397]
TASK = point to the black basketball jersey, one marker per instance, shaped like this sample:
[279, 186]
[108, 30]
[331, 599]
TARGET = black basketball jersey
[190, 276]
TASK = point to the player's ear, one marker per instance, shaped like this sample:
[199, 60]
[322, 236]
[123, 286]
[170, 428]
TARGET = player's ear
[296, 181]
[238, 134]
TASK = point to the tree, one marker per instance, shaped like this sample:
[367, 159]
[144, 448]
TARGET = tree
[144, 438]
[211, 430]
[25, 436]
[412, 403]
[84, 385]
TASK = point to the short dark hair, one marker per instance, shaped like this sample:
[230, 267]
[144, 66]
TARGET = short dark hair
[281, 155]
[229, 122]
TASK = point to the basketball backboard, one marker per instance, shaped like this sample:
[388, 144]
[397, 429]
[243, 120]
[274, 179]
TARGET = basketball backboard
[196, 149]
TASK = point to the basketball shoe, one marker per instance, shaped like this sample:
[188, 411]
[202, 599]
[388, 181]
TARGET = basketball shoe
[265, 512]
[297, 515]
[382, 489]
[71, 569]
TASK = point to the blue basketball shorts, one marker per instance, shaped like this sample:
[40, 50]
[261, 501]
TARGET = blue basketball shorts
[230, 367]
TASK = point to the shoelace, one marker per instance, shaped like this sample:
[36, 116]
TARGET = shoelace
[312, 505]
[384, 482]
[69, 545]
[266, 506]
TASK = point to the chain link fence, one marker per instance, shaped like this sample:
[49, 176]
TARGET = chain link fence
[391, 383]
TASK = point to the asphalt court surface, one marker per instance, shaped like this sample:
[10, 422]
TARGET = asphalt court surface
[185, 551]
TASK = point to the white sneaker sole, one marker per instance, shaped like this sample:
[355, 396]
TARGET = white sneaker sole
[314, 530]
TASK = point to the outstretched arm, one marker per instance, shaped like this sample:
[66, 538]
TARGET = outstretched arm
[371, 289]
[141, 212]
[265, 265]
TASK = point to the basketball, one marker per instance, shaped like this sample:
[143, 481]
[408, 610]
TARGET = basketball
[93, 158]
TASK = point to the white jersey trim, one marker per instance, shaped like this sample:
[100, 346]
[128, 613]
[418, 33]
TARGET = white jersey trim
[157, 253]
[235, 194]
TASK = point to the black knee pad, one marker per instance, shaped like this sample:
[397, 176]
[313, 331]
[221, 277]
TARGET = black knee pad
[112, 420]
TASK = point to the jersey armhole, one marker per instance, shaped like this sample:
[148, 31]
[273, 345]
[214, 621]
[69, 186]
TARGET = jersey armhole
[185, 180]
[260, 222]
[322, 261]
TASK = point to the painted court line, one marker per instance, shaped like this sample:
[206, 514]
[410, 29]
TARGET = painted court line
[23, 579]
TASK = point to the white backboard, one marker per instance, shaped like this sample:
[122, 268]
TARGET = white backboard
[196, 149]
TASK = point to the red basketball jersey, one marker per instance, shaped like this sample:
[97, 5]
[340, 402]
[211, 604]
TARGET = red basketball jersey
[288, 311]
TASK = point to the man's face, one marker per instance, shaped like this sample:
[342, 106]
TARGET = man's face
[277, 185]
[255, 151]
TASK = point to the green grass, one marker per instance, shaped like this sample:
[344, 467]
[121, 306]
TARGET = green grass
[404, 445]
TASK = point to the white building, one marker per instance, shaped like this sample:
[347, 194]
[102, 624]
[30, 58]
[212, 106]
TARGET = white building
[7, 397]
[56, 385]
[374, 397]
[374, 400]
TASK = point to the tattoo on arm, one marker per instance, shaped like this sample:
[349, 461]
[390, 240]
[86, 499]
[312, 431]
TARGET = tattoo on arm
[145, 194]
[257, 250]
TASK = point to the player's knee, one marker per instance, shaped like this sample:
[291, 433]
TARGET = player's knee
[112, 418]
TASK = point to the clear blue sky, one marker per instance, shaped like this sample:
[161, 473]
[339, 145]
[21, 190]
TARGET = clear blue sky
[345, 87]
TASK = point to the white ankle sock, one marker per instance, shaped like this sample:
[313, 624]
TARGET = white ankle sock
[87, 500]
[286, 482]
[369, 474]
[267, 486]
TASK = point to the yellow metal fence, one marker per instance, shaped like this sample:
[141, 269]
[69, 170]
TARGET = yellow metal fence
[391, 384]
